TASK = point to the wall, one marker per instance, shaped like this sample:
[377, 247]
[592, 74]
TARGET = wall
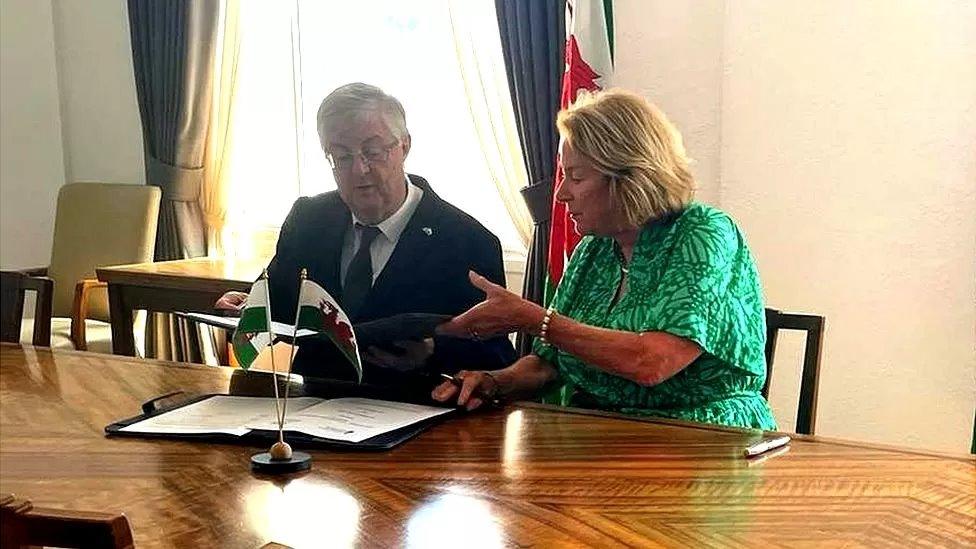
[69, 113]
[99, 111]
[31, 169]
[849, 158]
[671, 53]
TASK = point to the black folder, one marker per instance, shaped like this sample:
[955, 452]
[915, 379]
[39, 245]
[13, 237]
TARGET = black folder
[380, 332]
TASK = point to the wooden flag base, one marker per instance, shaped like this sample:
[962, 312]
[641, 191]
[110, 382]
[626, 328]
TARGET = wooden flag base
[265, 464]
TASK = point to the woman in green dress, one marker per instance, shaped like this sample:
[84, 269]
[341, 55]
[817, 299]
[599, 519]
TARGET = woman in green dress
[660, 310]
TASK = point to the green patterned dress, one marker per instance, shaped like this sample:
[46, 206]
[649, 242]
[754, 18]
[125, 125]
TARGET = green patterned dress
[693, 277]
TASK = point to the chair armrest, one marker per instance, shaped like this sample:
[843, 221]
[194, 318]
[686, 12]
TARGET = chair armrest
[24, 525]
[79, 311]
[35, 271]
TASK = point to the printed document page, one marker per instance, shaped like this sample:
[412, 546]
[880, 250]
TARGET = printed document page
[346, 419]
[230, 323]
[354, 419]
[219, 414]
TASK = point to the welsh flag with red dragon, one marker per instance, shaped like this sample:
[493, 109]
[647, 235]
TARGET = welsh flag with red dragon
[320, 312]
[589, 66]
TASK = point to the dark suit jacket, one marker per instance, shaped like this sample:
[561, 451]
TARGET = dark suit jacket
[427, 273]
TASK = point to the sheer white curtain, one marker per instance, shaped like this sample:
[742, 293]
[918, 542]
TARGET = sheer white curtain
[216, 181]
[292, 54]
[482, 67]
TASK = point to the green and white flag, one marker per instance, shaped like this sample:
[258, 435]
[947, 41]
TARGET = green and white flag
[252, 335]
[320, 312]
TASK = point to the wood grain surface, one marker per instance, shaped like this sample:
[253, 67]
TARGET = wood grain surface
[200, 274]
[186, 285]
[523, 476]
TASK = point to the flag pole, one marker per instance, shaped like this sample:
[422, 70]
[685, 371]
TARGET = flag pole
[279, 459]
[274, 369]
[294, 337]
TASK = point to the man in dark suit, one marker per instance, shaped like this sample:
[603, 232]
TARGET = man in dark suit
[382, 244]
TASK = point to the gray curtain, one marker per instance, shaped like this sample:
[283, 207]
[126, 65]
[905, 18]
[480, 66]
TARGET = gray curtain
[533, 36]
[173, 48]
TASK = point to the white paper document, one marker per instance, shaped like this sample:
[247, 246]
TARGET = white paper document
[346, 419]
[354, 419]
[230, 323]
[218, 414]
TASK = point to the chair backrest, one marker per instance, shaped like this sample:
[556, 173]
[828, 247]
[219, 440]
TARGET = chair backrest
[99, 224]
[23, 525]
[813, 325]
[13, 286]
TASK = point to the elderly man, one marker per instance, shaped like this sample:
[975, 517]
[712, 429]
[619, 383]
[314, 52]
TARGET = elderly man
[383, 244]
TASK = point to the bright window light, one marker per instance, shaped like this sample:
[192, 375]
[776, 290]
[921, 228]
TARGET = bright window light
[294, 53]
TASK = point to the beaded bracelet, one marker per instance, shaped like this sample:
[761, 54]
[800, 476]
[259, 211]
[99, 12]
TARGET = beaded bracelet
[544, 328]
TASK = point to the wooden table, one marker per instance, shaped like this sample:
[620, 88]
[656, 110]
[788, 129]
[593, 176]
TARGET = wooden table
[185, 285]
[527, 475]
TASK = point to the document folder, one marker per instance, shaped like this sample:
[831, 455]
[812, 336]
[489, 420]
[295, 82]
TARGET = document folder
[265, 436]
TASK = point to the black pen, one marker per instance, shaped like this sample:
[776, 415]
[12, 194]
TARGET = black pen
[457, 382]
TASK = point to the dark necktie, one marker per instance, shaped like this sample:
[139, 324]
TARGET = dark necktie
[359, 277]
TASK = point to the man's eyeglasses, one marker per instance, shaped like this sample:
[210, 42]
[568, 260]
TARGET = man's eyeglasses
[343, 160]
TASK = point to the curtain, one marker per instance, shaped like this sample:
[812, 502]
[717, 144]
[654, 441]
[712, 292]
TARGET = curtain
[216, 187]
[533, 35]
[486, 87]
[173, 50]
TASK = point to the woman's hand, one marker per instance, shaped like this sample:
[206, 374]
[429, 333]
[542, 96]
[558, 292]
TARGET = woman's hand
[231, 301]
[476, 388]
[501, 312]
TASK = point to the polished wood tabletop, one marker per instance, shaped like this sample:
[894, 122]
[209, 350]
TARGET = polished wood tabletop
[524, 475]
[201, 274]
[187, 285]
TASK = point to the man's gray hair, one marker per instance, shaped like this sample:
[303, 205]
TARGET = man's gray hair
[353, 101]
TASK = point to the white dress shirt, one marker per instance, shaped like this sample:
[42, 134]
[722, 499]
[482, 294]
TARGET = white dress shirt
[390, 230]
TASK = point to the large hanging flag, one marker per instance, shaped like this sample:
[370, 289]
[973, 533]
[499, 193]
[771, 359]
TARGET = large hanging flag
[251, 334]
[589, 66]
[320, 312]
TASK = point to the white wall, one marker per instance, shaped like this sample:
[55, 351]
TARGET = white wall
[99, 110]
[31, 168]
[671, 53]
[842, 137]
[849, 158]
[69, 113]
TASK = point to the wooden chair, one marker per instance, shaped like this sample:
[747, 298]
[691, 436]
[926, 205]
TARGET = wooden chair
[95, 224]
[813, 325]
[13, 287]
[23, 525]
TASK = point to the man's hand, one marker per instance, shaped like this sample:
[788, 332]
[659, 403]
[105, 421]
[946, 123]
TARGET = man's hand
[232, 302]
[415, 354]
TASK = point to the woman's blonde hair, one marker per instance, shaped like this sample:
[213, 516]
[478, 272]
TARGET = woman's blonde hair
[631, 141]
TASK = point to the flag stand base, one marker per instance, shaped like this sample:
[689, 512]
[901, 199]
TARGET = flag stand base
[263, 463]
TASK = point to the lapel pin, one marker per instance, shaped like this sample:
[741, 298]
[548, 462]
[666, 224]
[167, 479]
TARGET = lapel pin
[428, 231]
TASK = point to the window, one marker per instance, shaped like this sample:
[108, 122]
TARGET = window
[293, 54]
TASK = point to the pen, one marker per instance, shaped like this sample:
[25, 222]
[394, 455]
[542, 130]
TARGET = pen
[766, 445]
[458, 383]
[756, 460]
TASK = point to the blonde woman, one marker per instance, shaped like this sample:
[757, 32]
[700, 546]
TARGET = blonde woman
[660, 311]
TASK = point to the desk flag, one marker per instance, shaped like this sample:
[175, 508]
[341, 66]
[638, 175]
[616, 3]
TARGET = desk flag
[252, 333]
[320, 312]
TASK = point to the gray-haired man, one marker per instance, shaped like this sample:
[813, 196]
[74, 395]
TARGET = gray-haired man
[384, 244]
